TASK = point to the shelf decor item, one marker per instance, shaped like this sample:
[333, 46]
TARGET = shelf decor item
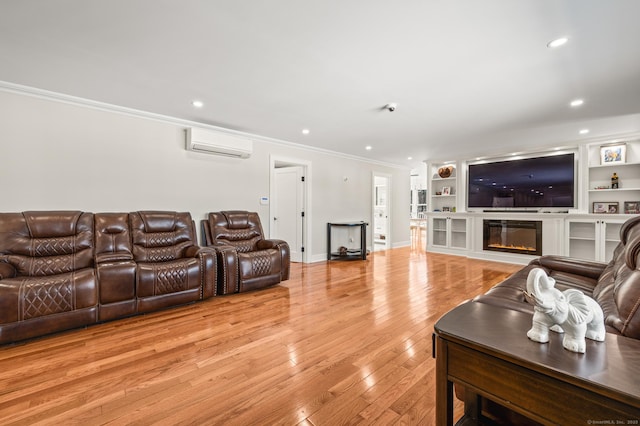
[445, 171]
[632, 207]
[446, 190]
[605, 207]
[614, 181]
[613, 154]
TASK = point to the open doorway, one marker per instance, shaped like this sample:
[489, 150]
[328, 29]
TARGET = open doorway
[288, 208]
[381, 211]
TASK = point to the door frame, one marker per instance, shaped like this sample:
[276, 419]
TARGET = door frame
[276, 161]
[388, 177]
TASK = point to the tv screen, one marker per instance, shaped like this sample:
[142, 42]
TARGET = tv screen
[537, 182]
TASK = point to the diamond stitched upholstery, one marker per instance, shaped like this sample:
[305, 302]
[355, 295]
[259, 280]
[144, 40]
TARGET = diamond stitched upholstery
[51, 265]
[56, 246]
[244, 240]
[161, 239]
[161, 254]
[46, 296]
[261, 262]
[171, 278]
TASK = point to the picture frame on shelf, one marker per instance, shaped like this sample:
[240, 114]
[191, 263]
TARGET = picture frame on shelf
[605, 207]
[446, 190]
[613, 154]
[632, 207]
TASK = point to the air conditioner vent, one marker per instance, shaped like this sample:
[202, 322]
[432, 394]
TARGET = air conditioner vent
[218, 143]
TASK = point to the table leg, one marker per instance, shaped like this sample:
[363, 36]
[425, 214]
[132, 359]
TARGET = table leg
[444, 388]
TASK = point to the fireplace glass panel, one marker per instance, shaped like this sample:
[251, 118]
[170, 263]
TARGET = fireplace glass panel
[513, 236]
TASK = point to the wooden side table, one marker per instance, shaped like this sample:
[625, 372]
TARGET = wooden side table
[485, 348]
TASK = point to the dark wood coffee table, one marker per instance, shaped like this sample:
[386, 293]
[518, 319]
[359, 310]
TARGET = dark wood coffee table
[485, 348]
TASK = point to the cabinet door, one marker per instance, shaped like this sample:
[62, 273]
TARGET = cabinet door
[610, 234]
[449, 232]
[583, 239]
[439, 231]
[593, 239]
[458, 235]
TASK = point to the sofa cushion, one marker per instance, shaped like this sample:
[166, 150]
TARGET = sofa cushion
[47, 243]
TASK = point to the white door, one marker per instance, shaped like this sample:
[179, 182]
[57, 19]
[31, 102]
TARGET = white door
[288, 210]
[381, 211]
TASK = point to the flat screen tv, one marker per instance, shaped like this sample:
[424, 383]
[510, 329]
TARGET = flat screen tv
[528, 183]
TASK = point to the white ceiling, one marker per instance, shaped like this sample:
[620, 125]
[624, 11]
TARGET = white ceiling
[470, 77]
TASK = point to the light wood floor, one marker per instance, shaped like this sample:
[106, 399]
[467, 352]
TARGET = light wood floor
[339, 343]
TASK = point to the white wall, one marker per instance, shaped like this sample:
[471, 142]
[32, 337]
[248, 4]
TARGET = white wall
[56, 155]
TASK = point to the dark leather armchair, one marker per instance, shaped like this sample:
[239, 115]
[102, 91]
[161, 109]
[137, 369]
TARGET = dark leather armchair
[46, 273]
[247, 260]
[171, 268]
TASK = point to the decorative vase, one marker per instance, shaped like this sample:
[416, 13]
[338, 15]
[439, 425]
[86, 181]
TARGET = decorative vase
[445, 171]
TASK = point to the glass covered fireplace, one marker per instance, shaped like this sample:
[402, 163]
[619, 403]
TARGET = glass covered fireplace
[513, 236]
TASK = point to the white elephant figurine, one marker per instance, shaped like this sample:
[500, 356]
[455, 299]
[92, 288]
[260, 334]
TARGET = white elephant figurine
[571, 312]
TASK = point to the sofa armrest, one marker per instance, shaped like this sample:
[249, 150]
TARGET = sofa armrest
[585, 268]
[208, 260]
[7, 270]
[228, 268]
[195, 251]
[267, 244]
[285, 254]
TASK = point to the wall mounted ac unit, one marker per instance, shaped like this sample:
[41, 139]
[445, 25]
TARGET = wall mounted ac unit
[207, 141]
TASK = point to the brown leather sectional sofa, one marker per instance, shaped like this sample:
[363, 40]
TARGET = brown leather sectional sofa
[66, 269]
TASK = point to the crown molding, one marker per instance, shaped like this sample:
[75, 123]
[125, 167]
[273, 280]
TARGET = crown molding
[48, 95]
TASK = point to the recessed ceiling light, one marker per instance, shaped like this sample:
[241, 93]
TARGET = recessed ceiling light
[584, 131]
[409, 158]
[558, 42]
[197, 104]
[305, 131]
[368, 147]
[576, 102]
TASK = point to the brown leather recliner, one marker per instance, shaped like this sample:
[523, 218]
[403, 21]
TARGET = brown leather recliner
[46, 273]
[247, 261]
[171, 268]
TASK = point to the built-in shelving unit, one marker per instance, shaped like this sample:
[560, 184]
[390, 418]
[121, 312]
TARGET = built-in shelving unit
[580, 232]
[599, 189]
[443, 190]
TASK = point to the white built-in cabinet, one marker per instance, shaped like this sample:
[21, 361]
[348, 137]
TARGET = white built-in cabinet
[448, 232]
[579, 233]
[593, 239]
